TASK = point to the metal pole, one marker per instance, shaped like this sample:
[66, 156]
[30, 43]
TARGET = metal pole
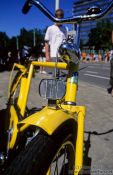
[77, 37]
[57, 5]
[17, 44]
[112, 36]
[34, 38]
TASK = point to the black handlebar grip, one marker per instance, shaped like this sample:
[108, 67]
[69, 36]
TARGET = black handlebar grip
[26, 7]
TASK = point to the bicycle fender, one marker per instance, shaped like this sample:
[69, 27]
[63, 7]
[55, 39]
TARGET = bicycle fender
[48, 119]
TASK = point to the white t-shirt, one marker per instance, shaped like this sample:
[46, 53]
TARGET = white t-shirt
[55, 35]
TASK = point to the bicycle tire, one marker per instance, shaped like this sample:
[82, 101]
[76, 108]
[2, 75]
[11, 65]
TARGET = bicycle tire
[37, 156]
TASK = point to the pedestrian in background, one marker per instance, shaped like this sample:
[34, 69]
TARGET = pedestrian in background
[111, 74]
[54, 37]
[107, 57]
[42, 59]
[110, 90]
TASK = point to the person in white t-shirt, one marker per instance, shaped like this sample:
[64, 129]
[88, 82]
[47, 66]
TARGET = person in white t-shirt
[54, 36]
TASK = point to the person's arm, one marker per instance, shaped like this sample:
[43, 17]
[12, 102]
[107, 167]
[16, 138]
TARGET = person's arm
[66, 33]
[47, 46]
[47, 51]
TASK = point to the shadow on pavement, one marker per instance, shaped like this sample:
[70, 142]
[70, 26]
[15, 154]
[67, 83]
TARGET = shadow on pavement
[83, 68]
[97, 133]
[87, 144]
[86, 159]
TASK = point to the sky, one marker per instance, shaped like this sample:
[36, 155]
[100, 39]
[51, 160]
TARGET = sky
[12, 19]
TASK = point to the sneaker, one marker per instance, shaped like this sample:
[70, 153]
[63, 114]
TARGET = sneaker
[44, 72]
[40, 72]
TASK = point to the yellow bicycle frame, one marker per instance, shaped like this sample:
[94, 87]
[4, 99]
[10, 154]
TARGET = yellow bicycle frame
[48, 119]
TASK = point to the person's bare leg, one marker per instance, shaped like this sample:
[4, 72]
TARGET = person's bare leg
[112, 92]
[41, 69]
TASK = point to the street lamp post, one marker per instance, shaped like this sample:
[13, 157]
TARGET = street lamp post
[34, 38]
[17, 43]
[112, 39]
[57, 5]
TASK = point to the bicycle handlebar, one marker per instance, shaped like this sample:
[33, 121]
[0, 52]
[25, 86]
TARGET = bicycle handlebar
[73, 19]
[26, 7]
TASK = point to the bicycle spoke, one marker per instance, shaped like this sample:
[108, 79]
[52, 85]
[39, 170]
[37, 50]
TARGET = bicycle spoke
[56, 167]
[64, 161]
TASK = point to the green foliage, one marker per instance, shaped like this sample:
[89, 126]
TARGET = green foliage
[4, 39]
[100, 37]
[26, 37]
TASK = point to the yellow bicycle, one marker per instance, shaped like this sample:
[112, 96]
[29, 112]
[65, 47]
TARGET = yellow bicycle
[49, 141]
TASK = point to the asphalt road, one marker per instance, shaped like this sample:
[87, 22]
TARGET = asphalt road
[95, 73]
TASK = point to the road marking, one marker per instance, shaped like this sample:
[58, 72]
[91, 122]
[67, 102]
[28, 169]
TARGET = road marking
[97, 76]
[96, 64]
[92, 72]
[91, 67]
[106, 68]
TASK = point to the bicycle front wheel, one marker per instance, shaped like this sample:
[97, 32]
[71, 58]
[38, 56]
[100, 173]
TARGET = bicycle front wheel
[46, 155]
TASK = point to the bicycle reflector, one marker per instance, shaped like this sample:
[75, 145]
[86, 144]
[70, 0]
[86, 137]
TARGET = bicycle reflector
[53, 89]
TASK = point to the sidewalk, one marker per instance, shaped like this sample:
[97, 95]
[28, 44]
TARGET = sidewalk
[98, 128]
[98, 145]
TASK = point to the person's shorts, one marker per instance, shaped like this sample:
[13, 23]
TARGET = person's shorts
[42, 59]
[53, 59]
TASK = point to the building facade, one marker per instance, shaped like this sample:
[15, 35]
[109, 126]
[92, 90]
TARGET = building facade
[80, 7]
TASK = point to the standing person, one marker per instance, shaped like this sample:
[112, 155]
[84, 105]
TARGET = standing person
[110, 90]
[100, 57]
[111, 74]
[42, 59]
[9, 60]
[9, 56]
[18, 56]
[54, 36]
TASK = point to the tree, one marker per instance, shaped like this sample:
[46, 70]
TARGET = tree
[4, 39]
[26, 37]
[101, 36]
